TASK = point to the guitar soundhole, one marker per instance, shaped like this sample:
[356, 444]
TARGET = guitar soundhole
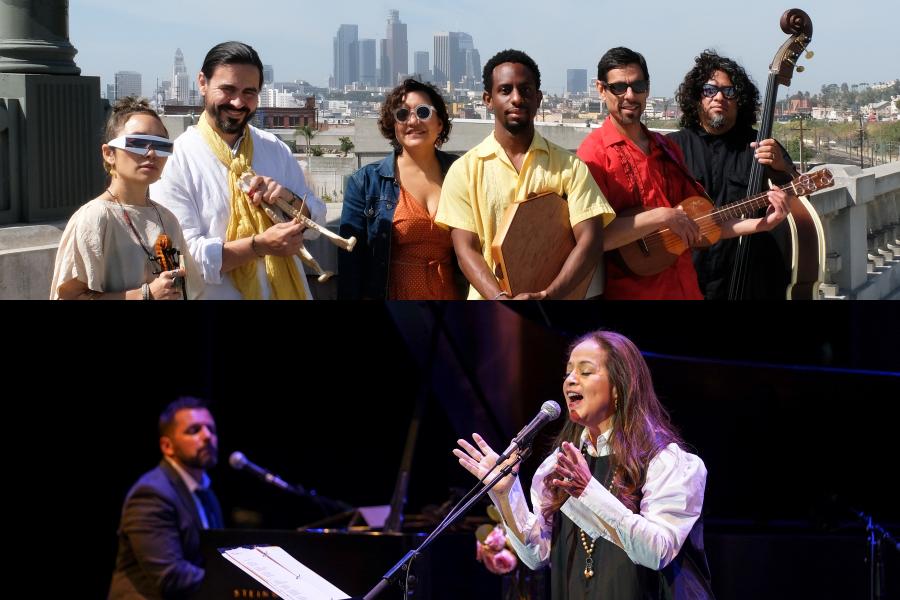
[642, 244]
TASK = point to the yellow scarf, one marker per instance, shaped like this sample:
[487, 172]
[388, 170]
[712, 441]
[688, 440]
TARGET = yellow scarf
[285, 279]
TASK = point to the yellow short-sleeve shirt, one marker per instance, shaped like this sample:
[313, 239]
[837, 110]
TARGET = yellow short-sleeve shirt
[483, 183]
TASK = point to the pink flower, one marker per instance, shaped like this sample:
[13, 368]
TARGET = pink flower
[500, 563]
[496, 540]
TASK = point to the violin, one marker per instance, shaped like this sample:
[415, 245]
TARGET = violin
[169, 258]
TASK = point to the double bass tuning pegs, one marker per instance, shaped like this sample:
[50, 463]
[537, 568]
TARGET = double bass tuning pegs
[801, 68]
[810, 54]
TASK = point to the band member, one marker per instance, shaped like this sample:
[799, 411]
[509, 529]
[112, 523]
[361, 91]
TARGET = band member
[108, 249]
[513, 162]
[618, 502]
[240, 253]
[389, 206]
[719, 104]
[637, 169]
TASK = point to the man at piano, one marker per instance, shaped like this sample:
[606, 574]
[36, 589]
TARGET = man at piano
[719, 104]
[644, 177]
[159, 534]
[511, 164]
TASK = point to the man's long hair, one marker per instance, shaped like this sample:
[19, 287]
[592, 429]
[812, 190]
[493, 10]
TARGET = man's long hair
[690, 93]
[641, 426]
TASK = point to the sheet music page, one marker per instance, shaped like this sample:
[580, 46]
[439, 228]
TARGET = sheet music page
[282, 573]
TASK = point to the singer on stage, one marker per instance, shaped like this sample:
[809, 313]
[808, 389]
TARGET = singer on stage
[618, 501]
[159, 535]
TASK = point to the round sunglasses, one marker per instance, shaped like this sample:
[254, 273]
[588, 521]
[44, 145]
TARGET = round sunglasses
[423, 113]
[710, 91]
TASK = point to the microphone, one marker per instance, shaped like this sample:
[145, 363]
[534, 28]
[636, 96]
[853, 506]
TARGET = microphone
[549, 412]
[238, 461]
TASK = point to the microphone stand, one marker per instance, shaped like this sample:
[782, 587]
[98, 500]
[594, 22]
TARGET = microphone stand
[875, 535]
[466, 503]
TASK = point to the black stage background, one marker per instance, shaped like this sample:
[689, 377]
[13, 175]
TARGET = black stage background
[323, 393]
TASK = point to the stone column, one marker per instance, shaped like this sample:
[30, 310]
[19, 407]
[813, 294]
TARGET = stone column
[34, 37]
[52, 116]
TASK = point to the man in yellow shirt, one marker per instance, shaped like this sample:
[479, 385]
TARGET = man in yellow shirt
[511, 164]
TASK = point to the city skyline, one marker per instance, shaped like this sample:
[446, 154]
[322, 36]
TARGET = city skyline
[851, 46]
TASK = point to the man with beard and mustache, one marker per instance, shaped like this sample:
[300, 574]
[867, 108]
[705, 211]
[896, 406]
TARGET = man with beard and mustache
[719, 104]
[159, 533]
[643, 174]
[511, 164]
[241, 254]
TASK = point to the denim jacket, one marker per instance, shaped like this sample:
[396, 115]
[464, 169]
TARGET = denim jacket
[370, 198]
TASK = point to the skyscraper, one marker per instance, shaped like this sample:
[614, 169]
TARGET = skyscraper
[421, 69]
[268, 75]
[181, 82]
[128, 83]
[446, 48]
[366, 60]
[576, 81]
[397, 48]
[346, 56]
[473, 67]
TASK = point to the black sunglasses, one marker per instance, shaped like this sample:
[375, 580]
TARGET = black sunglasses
[710, 90]
[423, 112]
[620, 87]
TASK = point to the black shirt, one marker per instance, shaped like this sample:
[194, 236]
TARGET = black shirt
[722, 163]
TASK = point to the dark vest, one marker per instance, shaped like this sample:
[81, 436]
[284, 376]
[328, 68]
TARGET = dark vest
[616, 577]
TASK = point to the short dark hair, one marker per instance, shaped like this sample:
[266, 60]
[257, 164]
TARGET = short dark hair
[690, 91]
[231, 53]
[395, 97]
[509, 56]
[617, 58]
[167, 416]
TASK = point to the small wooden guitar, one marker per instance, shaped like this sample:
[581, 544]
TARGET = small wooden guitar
[659, 250]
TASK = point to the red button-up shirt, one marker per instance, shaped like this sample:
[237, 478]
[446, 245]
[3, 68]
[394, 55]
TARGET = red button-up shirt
[628, 178]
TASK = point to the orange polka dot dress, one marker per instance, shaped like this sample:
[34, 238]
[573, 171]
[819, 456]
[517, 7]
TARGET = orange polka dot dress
[421, 255]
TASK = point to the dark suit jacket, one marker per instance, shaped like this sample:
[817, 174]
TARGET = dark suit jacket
[159, 540]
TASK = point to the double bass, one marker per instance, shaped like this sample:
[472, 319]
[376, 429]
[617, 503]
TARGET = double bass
[807, 234]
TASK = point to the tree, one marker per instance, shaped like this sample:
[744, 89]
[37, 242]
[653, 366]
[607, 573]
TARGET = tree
[346, 144]
[309, 133]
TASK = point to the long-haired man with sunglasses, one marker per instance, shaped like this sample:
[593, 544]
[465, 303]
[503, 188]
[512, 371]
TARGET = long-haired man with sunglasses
[719, 103]
[641, 174]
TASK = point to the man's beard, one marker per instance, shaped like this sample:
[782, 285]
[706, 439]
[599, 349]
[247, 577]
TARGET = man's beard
[227, 124]
[717, 121]
[203, 460]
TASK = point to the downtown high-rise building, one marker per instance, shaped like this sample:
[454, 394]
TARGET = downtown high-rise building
[576, 81]
[368, 71]
[346, 56]
[181, 81]
[268, 75]
[420, 66]
[455, 58]
[396, 61]
[127, 83]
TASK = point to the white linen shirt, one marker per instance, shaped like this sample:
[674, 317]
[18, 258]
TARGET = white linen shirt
[194, 186]
[671, 504]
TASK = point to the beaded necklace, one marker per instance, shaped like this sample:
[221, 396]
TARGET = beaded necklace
[589, 546]
[137, 236]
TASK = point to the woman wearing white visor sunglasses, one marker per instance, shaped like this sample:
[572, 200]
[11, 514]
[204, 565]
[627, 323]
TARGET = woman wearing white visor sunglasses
[122, 245]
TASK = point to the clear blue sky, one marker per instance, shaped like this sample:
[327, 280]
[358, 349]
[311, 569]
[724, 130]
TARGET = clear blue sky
[854, 42]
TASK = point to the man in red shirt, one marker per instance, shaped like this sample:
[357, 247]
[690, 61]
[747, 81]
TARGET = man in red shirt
[636, 168]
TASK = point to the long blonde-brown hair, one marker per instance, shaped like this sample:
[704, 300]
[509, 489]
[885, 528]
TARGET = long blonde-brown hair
[641, 426]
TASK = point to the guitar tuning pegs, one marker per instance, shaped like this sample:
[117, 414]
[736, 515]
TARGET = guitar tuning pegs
[800, 69]
[810, 54]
